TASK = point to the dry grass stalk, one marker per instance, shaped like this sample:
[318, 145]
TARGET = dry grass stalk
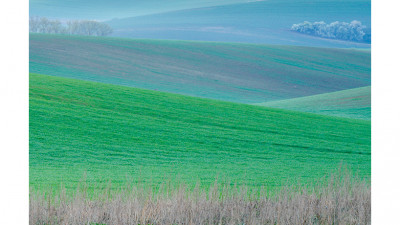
[342, 200]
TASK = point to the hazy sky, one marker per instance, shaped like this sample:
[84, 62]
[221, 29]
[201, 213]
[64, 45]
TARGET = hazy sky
[108, 9]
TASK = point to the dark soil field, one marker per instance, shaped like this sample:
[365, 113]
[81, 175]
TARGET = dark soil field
[245, 73]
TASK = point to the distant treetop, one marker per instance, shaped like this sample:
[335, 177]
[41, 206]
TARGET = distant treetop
[353, 31]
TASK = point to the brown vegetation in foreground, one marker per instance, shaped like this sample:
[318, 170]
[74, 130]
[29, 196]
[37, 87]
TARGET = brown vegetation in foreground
[342, 200]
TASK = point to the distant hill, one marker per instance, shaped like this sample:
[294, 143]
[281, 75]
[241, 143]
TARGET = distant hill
[114, 133]
[352, 103]
[246, 73]
[252, 22]
[108, 9]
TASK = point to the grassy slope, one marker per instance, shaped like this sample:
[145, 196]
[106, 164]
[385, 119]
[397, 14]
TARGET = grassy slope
[244, 73]
[352, 103]
[111, 131]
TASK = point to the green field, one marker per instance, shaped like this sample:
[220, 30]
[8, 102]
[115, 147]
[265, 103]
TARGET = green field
[237, 72]
[352, 103]
[113, 132]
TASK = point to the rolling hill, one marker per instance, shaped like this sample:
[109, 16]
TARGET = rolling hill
[352, 103]
[246, 73]
[111, 132]
[266, 22]
[106, 9]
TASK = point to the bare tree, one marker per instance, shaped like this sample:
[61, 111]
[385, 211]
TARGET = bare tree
[33, 24]
[76, 27]
[103, 29]
[89, 28]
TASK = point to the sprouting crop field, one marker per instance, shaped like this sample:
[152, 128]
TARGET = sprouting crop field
[353, 103]
[110, 133]
[237, 72]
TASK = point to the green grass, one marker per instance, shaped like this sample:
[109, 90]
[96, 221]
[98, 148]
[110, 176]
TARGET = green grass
[237, 72]
[112, 132]
[352, 103]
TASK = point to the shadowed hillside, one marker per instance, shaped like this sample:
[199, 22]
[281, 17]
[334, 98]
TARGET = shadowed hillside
[106, 9]
[244, 73]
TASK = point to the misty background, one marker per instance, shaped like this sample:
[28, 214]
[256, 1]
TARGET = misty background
[266, 22]
[109, 9]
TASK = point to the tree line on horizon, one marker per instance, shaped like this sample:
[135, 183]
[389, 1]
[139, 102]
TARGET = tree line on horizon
[72, 27]
[353, 31]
